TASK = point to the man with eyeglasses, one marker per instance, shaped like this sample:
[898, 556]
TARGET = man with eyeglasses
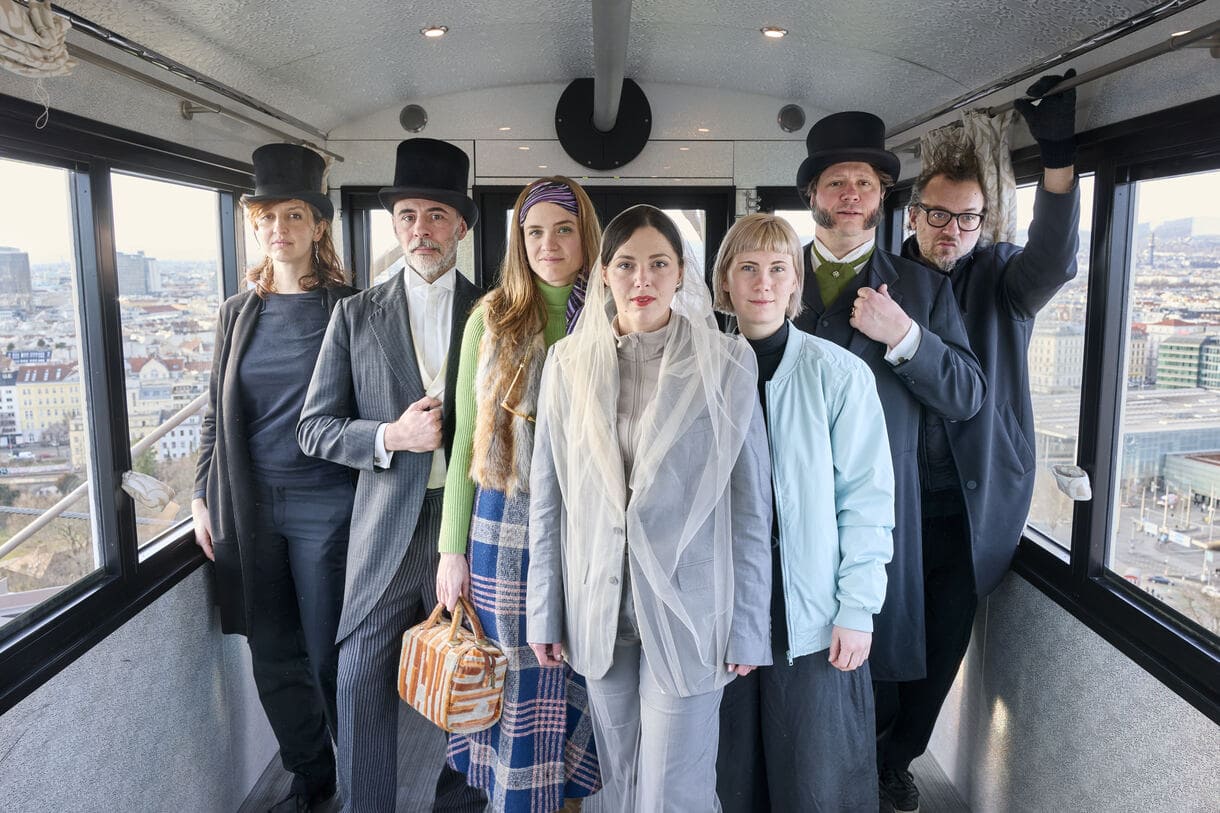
[977, 480]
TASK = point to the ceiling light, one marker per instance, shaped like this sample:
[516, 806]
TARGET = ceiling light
[434, 31]
[774, 32]
[542, 166]
[1181, 33]
[684, 149]
[703, 130]
[505, 129]
[523, 147]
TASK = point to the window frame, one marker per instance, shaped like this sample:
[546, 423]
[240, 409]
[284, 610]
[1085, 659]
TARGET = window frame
[37, 645]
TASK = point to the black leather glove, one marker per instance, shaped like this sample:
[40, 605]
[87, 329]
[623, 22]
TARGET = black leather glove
[1052, 122]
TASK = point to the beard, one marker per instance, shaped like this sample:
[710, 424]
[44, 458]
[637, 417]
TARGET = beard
[826, 218]
[431, 267]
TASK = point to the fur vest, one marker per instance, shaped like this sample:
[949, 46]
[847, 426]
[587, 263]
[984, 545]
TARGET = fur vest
[504, 442]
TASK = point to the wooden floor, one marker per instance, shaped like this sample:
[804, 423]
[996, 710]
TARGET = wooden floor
[415, 788]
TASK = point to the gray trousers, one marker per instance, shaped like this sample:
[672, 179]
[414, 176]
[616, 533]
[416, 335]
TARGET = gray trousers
[657, 751]
[367, 687]
[799, 737]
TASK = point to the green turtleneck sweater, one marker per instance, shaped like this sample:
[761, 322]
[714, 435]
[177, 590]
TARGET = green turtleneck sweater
[459, 488]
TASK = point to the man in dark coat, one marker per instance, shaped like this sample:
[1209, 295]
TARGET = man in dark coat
[979, 479]
[377, 403]
[900, 317]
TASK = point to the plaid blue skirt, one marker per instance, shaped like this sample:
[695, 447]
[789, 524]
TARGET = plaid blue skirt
[541, 751]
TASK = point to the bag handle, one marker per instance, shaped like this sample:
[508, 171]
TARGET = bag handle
[463, 609]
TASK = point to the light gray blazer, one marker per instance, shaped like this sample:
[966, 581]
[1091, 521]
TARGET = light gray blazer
[367, 375]
[559, 602]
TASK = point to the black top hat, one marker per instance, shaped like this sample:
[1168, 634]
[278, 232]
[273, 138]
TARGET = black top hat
[851, 136]
[290, 172]
[433, 170]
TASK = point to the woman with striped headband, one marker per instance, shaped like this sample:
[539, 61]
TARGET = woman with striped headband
[540, 754]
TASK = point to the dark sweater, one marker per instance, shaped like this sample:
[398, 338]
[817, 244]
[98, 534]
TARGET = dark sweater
[274, 374]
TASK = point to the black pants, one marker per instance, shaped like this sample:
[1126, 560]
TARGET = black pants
[300, 557]
[907, 711]
[798, 738]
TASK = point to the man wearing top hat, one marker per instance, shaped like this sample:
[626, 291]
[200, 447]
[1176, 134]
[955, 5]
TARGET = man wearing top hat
[377, 403]
[901, 318]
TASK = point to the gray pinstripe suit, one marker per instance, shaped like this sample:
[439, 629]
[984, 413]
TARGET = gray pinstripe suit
[367, 375]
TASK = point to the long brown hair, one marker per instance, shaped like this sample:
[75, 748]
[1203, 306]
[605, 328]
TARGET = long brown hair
[514, 310]
[326, 269]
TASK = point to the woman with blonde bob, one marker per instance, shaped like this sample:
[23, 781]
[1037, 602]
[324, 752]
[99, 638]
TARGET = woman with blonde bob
[540, 753]
[273, 520]
[799, 735]
[650, 567]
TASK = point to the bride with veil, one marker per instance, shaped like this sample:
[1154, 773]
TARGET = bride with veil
[650, 517]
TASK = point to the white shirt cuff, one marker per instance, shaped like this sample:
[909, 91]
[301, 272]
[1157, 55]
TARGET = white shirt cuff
[381, 456]
[907, 347]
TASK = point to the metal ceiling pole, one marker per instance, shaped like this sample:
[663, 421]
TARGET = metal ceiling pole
[611, 25]
[152, 57]
[1174, 43]
[193, 103]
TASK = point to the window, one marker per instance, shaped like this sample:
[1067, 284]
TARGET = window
[91, 278]
[1056, 362]
[167, 243]
[1140, 568]
[1163, 536]
[45, 451]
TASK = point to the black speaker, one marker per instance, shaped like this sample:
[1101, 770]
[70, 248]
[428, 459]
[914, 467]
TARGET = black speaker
[791, 118]
[413, 118]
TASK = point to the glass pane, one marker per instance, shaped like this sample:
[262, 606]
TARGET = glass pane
[45, 452]
[167, 239]
[801, 221]
[1056, 359]
[692, 225]
[1168, 469]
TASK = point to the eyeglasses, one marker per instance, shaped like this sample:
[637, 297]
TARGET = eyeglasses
[512, 386]
[939, 218]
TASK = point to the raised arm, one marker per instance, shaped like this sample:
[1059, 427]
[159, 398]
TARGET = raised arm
[1031, 277]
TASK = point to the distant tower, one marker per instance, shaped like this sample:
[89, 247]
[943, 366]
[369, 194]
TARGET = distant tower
[1152, 248]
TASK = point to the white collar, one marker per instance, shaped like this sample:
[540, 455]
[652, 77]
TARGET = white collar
[851, 256]
[446, 281]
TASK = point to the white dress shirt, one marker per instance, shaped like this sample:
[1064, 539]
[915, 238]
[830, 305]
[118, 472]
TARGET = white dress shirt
[909, 343]
[430, 308]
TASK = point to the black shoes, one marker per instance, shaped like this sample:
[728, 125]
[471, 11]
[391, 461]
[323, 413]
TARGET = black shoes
[299, 801]
[898, 788]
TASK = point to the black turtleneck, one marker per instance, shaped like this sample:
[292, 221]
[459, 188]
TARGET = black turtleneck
[769, 351]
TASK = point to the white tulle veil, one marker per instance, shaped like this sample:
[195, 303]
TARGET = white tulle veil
[707, 384]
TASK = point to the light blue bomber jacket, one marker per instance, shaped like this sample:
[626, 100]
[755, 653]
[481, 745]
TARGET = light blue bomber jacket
[834, 490]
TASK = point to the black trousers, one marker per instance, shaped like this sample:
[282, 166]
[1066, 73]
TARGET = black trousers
[300, 558]
[907, 711]
[798, 738]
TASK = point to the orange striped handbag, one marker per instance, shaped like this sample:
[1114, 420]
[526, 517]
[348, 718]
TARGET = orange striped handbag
[452, 676]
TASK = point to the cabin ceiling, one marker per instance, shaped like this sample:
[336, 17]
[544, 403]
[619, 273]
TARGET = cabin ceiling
[330, 63]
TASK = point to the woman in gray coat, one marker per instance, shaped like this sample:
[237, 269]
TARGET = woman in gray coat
[650, 517]
[274, 521]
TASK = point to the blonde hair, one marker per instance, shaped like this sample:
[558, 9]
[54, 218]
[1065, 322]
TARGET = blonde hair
[514, 310]
[758, 232]
[326, 269]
